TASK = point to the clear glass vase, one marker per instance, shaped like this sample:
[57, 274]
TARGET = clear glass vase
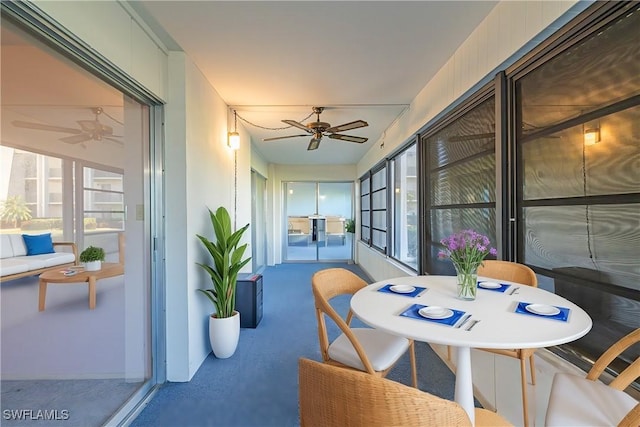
[467, 282]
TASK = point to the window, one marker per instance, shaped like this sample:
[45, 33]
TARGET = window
[103, 201]
[33, 195]
[365, 209]
[579, 198]
[373, 208]
[379, 209]
[405, 207]
[460, 175]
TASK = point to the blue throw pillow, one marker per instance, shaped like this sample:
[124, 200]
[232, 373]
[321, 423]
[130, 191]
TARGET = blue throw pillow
[40, 244]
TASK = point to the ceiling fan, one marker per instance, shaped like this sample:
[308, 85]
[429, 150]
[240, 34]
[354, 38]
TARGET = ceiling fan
[319, 129]
[89, 129]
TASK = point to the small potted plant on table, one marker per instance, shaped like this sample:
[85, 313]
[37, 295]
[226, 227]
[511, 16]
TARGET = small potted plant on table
[92, 258]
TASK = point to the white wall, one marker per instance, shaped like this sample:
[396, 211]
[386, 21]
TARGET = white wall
[258, 163]
[507, 33]
[210, 183]
[199, 175]
[369, 259]
[177, 291]
[115, 31]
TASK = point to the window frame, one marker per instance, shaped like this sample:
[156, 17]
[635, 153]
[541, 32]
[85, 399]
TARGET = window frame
[369, 175]
[413, 143]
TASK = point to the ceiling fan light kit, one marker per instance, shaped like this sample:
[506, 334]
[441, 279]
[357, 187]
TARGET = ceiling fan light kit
[319, 129]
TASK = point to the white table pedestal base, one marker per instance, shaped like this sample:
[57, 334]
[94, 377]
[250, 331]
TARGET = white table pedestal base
[464, 382]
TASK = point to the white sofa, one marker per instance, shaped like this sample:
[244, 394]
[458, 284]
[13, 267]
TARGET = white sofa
[15, 263]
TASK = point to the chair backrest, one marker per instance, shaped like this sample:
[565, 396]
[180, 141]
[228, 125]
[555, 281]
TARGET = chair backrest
[327, 284]
[507, 270]
[628, 375]
[332, 396]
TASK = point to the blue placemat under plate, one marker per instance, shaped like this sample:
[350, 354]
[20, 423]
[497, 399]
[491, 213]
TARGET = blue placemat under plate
[450, 321]
[503, 286]
[417, 291]
[562, 316]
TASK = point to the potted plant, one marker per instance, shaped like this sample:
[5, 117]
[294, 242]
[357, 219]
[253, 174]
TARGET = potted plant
[224, 324]
[92, 257]
[350, 226]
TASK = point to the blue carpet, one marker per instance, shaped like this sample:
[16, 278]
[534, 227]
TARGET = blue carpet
[258, 385]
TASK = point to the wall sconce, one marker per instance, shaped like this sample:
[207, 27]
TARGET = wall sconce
[591, 136]
[233, 138]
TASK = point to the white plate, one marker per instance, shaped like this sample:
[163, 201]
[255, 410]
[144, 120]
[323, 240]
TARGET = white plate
[435, 312]
[489, 285]
[402, 289]
[542, 309]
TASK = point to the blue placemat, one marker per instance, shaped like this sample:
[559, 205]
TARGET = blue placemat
[417, 291]
[413, 313]
[562, 316]
[503, 286]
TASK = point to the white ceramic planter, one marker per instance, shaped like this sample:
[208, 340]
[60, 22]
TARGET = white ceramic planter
[92, 265]
[224, 335]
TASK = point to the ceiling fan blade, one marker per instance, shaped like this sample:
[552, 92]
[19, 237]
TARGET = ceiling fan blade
[347, 126]
[88, 125]
[75, 139]
[117, 141]
[95, 126]
[314, 144]
[298, 125]
[349, 138]
[282, 137]
[38, 126]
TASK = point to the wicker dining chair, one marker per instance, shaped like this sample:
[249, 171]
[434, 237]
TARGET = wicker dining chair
[580, 401]
[518, 273]
[331, 396]
[365, 349]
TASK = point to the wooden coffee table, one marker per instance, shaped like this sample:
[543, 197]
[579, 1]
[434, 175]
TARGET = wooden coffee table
[108, 269]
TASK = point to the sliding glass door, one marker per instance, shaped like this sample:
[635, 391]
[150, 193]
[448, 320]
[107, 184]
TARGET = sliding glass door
[74, 162]
[335, 204]
[316, 215]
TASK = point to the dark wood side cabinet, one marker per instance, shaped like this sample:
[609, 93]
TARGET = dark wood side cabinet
[249, 299]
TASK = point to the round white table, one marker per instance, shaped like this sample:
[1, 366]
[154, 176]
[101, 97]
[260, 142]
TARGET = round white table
[500, 327]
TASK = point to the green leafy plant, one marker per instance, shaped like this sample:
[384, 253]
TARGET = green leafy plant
[227, 262]
[92, 253]
[15, 209]
[350, 226]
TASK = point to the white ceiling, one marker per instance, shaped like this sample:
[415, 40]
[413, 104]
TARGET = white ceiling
[274, 60]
